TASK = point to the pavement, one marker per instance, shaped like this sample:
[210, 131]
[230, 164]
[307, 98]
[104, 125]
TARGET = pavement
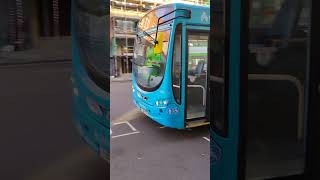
[142, 149]
[122, 78]
[49, 50]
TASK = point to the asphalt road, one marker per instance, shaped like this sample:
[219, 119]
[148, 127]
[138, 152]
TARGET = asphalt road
[142, 149]
[37, 134]
[121, 101]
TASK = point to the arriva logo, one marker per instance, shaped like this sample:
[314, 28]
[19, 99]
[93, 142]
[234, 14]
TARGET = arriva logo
[205, 17]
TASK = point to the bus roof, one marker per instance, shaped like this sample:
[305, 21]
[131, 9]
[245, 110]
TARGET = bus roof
[200, 15]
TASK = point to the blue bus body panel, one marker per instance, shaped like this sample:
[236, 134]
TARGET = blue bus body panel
[159, 114]
[94, 127]
[224, 150]
[173, 115]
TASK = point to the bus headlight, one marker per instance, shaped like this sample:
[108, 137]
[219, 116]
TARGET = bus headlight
[75, 91]
[139, 95]
[161, 103]
[94, 107]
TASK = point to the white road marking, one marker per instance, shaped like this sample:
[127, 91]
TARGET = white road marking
[206, 139]
[126, 134]
[131, 126]
[124, 122]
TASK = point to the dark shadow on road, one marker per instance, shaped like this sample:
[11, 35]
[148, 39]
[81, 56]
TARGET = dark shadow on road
[37, 133]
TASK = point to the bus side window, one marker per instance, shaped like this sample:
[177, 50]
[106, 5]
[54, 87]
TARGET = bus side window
[176, 65]
[218, 70]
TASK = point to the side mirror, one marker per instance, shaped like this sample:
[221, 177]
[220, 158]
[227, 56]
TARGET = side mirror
[159, 44]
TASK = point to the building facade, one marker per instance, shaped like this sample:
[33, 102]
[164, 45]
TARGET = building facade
[23, 23]
[124, 16]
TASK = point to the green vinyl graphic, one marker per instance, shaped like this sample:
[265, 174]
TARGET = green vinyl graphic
[152, 58]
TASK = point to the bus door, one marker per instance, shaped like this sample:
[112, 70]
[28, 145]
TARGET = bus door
[262, 89]
[313, 125]
[223, 87]
[196, 73]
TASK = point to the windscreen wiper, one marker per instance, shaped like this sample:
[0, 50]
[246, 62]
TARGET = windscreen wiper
[186, 15]
[153, 39]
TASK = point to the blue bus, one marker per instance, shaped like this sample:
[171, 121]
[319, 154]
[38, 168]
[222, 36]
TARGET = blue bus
[90, 72]
[169, 79]
[264, 89]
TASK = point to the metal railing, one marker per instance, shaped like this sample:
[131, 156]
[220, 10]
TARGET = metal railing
[280, 77]
[123, 52]
[125, 30]
[197, 86]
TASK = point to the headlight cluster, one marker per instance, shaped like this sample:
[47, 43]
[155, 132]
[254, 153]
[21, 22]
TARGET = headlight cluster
[94, 107]
[139, 95]
[161, 103]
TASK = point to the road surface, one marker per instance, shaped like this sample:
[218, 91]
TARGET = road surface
[37, 134]
[142, 149]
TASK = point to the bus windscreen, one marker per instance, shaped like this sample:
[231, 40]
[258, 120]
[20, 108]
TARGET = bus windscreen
[150, 20]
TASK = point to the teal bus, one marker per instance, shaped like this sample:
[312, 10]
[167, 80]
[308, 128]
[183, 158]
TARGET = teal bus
[264, 89]
[90, 72]
[170, 65]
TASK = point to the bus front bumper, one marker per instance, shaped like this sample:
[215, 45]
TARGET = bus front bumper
[168, 116]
